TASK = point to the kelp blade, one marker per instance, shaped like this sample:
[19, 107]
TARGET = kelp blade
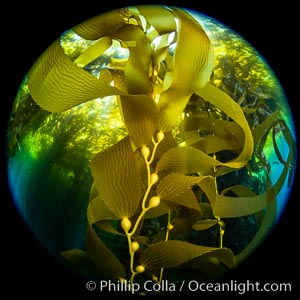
[102, 25]
[140, 117]
[57, 84]
[192, 67]
[224, 102]
[117, 178]
[81, 263]
[169, 254]
[102, 256]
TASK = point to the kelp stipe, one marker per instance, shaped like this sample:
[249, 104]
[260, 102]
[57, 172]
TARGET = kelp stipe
[197, 132]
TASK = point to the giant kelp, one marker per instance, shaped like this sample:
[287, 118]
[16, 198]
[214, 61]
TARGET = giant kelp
[188, 130]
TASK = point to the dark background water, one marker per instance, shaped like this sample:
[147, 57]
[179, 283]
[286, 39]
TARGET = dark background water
[28, 29]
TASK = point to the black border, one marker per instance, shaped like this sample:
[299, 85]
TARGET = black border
[28, 29]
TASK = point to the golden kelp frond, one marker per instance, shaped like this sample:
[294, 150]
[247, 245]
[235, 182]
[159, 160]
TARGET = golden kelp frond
[117, 178]
[159, 17]
[169, 254]
[283, 129]
[140, 117]
[97, 211]
[229, 207]
[212, 135]
[107, 226]
[183, 223]
[192, 67]
[246, 202]
[264, 229]
[117, 77]
[264, 127]
[186, 160]
[57, 84]
[102, 256]
[99, 26]
[239, 190]
[214, 144]
[187, 199]
[221, 100]
[175, 184]
[158, 211]
[166, 144]
[193, 62]
[214, 126]
[81, 263]
[205, 224]
[137, 68]
[94, 51]
[93, 192]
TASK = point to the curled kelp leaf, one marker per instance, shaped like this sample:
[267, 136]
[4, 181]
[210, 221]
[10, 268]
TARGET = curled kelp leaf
[219, 134]
[159, 17]
[116, 177]
[190, 72]
[264, 127]
[137, 67]
[102, 25]
[57, 84]
[224, 102]
[239, 190]
[266, 225]
[102, 256]
[227, 207]
[169, 254]
[94, 51]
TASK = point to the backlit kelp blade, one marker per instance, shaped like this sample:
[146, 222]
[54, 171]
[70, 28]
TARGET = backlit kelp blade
[93, 52]
[224, 135]
[57, 84]
[117, 178]
[173, 253]
[174, 185]
[140, 117]
[98, 211]
[192, 67]
[102, 256]
[159, 17]
[186, 160]
[234, 111]
[205, 224]
[137, 68]
[105, 24]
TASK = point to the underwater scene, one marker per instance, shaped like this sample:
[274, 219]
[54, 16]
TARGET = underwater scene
[151, 142]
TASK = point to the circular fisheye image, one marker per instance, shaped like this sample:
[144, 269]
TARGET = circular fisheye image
[150, 145]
